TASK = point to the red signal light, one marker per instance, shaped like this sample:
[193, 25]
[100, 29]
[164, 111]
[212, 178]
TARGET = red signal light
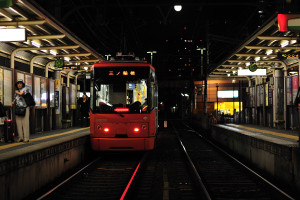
[106, 130]
[136, 130]
[121, 109]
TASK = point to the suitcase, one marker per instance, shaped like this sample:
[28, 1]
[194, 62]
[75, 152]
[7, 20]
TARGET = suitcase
[8, 130]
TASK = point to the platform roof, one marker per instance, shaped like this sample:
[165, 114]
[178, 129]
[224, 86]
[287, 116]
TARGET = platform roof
[262, 49]
[52, 36]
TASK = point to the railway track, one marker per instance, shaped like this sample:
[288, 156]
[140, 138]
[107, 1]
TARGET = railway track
[222, 176]
[104, 178]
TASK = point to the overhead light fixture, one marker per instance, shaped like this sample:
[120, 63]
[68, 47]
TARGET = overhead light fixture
[284, 43]
[257, 59]
[67, 59]
[35, 43]
[269, 52]
[85, 68]
[53, 52]
[178, 7]
[248, 64]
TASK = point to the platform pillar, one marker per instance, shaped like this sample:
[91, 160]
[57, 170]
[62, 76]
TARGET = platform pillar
[58, 100]
[278, 99]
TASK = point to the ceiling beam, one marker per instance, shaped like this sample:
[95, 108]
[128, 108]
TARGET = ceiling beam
[40, 37]
[255, 55]
[272, 47]
[276, 38]
[23, 23]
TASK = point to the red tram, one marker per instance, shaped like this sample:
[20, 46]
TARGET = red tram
[123, 106]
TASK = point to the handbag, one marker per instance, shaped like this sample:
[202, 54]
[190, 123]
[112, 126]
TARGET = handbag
[29, 99]
[20, 111]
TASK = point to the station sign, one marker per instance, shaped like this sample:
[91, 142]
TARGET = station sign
[288, 22]
[283, 56]
[12, 34]
[76, 67]
[59, 63]
[247, 72]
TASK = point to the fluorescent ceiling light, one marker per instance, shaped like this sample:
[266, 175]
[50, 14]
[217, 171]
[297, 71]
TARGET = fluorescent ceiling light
[12, 35]
[53, 52]
[247, 72]
[36, 44]
[257, 58]
[228, 94]
[284, 43]
[269, 52]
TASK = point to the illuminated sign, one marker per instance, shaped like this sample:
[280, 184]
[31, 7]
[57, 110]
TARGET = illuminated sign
[283, 56]
[228, 94]
[12, 34]
[253, 67]
[247, 72]
[288, 22]
[72, 67]
[59, 63]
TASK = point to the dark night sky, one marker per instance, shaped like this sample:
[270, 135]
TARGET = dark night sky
[138, 26]
[110, 26]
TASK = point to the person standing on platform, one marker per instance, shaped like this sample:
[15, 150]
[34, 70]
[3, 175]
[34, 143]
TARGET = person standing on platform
[22, 119]
[85, 110]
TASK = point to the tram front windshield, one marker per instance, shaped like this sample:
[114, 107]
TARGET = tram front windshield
[118, 88]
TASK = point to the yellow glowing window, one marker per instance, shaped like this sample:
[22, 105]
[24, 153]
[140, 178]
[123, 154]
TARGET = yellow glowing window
[132, 73]
[110, 73]
[118, 73]
[125, 73]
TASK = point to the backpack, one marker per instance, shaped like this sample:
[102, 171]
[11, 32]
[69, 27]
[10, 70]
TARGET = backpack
[29, 99]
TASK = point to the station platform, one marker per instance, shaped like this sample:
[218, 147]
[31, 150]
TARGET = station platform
[274, 151]
[278, 136]
[47, 155]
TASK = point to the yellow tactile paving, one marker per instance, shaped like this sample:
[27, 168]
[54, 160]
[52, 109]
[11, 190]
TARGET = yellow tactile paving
[41, 138]
[267, 132]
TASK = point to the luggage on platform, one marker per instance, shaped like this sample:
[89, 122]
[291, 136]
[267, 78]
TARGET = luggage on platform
[8, 130]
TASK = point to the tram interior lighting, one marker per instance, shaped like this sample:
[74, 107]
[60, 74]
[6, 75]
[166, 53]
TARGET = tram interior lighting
[248, 64]
[12, 34]
[85, 68]
[247, 72]
[132, 73]
[67, 59]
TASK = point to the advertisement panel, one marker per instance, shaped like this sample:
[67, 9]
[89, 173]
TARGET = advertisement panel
[289, 91]
[295, 85]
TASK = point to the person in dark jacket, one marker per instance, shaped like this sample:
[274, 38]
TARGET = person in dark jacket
[85, 110]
